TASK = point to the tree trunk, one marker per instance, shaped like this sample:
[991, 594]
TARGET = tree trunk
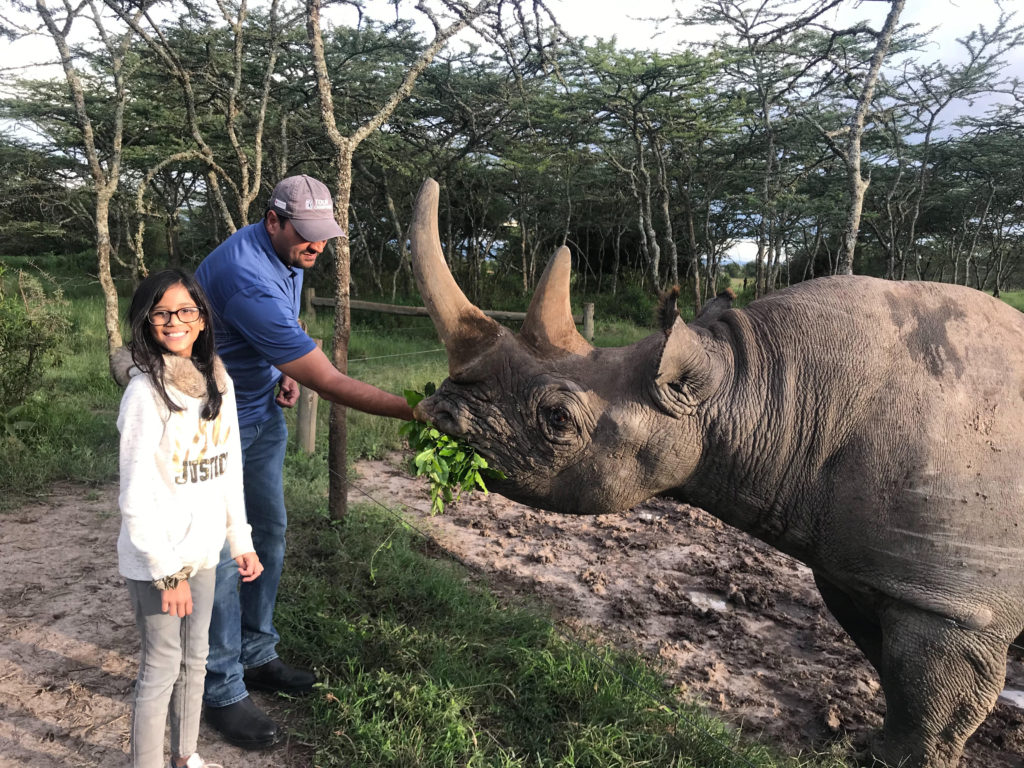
[857, 185]
[110, 309]
[104, 180]
[344, 148]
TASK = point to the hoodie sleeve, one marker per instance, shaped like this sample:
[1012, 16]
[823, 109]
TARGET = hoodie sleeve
[239, 532]
[143, 490]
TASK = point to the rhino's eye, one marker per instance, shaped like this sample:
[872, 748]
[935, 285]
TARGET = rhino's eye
[557, 424]
[559, 418]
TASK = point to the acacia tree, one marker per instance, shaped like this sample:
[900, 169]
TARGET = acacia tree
[919, 98]
[784, 57]
[852, 133]
[461, 16]
[104, 162]
[239, 167]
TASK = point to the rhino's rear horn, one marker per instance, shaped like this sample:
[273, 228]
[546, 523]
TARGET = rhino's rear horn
[465, 331]
[549, 327]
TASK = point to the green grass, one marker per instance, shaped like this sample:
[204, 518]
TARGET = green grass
[1014, 298]
[420, 667]
[66, 430]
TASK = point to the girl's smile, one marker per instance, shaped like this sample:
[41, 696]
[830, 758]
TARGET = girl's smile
[177, 336]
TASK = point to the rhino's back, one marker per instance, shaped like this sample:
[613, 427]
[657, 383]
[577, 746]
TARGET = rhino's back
[918, 479]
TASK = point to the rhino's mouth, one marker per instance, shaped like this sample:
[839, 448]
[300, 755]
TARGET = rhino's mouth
[454, 421]
[518, 474]
[441, 414]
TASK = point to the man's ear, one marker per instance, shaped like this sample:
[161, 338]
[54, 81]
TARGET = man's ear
[272, 222]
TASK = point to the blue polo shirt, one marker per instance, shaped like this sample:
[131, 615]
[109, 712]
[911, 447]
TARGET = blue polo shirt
[255, 300]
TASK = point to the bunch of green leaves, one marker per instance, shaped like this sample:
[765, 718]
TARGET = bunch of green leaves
[451, 465]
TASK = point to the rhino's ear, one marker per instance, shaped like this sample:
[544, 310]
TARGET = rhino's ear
[684, 369]
[668, 309]
[715, 308]
[121, 363]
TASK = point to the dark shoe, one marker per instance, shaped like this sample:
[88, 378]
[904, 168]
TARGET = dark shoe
[243, 724]
[275, 675]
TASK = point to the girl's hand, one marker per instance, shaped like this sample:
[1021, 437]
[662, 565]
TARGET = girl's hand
[177, 601]
[249, 566]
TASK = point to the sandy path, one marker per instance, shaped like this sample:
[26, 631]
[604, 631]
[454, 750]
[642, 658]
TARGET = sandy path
[68, 643]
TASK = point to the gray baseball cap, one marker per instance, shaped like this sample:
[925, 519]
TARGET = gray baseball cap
[307, 202]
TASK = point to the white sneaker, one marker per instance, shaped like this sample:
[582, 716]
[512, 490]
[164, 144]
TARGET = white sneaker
[195, 761]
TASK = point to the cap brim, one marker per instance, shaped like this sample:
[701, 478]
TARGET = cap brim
[315, 230]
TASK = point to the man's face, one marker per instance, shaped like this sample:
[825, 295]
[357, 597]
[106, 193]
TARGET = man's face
[289, 245]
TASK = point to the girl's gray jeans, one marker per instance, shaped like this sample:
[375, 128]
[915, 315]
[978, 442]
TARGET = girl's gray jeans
[172, 667]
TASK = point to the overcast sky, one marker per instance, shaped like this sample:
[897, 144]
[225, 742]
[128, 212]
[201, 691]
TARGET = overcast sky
[605, 18]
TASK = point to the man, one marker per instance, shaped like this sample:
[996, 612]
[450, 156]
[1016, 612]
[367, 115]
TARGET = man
[254, 282]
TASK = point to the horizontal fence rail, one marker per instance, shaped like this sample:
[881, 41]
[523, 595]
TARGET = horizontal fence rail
[311, 301]
[308, 400]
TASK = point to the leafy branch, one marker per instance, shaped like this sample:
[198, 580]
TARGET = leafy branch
[451, 465]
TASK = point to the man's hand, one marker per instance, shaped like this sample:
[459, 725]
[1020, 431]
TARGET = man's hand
[177, 601]
[288, 392]
[249, 566]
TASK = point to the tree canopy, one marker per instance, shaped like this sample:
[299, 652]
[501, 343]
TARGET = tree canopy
[177, 118]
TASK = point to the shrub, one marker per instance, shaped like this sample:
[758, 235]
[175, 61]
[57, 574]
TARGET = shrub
[33, 327]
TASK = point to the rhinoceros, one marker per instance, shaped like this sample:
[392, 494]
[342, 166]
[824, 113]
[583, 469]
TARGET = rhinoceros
[872, 429]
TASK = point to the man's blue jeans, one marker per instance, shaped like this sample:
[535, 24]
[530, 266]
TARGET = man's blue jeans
[242, 633]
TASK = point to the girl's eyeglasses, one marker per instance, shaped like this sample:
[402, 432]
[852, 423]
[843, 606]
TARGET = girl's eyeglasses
[163, 316]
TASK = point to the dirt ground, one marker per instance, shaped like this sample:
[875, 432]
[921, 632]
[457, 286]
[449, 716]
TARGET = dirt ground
[731, 622]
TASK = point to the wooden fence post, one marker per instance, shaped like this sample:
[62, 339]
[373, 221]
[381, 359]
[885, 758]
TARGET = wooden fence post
[588, 321]
[308, 303]
[305, 418]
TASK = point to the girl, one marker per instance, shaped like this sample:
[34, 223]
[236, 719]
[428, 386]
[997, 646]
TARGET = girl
[181, 496]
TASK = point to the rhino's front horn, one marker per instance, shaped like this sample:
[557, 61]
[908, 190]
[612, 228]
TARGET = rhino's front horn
[549, 327]
[465, 331]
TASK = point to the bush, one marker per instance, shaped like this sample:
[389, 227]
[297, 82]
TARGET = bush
[33, 327]
[634, 302]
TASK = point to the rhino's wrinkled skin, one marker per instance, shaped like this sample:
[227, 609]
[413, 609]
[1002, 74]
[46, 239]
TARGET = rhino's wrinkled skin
[872, 429]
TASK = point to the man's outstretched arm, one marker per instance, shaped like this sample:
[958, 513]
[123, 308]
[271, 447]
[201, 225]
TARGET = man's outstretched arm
[315, 371]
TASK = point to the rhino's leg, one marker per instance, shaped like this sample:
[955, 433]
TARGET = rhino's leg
[940, 682]
[861, 626]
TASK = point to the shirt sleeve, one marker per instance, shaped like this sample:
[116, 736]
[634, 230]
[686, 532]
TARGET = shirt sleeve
[142, 487]
[268, 323]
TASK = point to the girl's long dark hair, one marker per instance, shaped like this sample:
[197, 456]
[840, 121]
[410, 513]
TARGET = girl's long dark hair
[147, 352]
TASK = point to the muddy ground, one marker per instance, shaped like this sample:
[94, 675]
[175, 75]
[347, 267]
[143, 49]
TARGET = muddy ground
[731, 622]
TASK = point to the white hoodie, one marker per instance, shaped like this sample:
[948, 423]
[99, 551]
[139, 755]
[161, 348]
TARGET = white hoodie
[181, 476]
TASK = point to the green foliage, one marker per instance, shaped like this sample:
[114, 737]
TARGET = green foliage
[451, 465]
[633, 302]
[40, 211]
[66, 429]
[32, 328]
